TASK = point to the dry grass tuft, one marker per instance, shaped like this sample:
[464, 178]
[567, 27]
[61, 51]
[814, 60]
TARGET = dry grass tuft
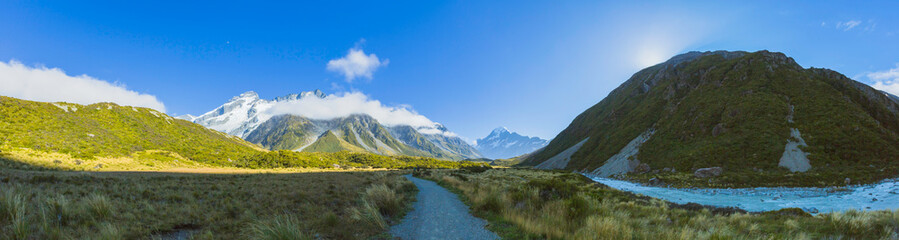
[281, 227]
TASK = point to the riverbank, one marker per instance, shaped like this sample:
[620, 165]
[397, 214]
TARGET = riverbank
[869, 197]
[523, 203]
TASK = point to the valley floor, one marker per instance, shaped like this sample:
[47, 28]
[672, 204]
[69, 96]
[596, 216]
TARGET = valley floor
[536, 204]
[147, 205]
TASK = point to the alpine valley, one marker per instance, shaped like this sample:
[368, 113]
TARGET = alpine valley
[251, 118]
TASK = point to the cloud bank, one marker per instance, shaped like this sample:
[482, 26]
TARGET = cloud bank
[356, 64]
[53, 85]
[349, 103]
[887, 81]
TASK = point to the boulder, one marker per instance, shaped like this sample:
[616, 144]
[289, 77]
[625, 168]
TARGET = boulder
[708, 172]
[642, 168]
[656, 182]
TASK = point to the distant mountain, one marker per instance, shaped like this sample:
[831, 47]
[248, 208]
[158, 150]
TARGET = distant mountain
[758, 116]
[247, 116]
[442, 145]
[110, 130]
[242, 114]
[503, 144]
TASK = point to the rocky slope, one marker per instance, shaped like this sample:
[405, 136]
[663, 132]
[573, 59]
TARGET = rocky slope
[758, 116]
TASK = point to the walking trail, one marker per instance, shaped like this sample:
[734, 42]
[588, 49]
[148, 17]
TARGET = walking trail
[438, 214]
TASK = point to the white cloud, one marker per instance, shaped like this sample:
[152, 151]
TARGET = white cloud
[53, 85]
[887, 81]
[848, 25]
[356, 64]
[349, 103]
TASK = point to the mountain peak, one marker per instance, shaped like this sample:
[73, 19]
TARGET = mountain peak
[500, 130]
[294, 96]
[503, 143]
[247, 95]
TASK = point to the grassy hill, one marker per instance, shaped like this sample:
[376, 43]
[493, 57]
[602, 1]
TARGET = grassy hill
[735, 110]
[110, 130]
[284, 132]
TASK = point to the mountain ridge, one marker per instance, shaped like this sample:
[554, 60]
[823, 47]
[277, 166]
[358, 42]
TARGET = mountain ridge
[247, 116]
[700, 110]
[502, 143]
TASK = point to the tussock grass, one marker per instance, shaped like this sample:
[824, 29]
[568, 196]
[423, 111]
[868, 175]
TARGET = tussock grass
[532, 204]
[381, 205]
[153, 205]
[281, 227]
[384, 199]
[368, 215]
[99, 206]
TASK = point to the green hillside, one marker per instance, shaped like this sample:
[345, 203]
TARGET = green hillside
[110, 130]
[284, 132]
[733, 110]
[329, 142]
[416, 140]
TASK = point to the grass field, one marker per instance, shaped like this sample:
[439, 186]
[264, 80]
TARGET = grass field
[152, 205]
[534, 204]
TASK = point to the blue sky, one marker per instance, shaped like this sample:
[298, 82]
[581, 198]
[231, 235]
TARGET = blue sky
[531, 66]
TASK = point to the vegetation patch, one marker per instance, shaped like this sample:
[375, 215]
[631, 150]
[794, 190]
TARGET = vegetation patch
[139, 205]
[534, 204]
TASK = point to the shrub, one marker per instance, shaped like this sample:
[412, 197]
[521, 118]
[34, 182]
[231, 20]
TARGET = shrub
[491, 203]
[477, 168]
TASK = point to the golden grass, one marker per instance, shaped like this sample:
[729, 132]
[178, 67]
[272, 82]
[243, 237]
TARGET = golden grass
[144, 161]
[532, 204]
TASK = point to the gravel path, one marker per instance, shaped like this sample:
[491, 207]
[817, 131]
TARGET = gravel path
[438, 214]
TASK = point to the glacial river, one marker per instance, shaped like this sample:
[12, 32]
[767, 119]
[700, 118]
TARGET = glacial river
[880, 196]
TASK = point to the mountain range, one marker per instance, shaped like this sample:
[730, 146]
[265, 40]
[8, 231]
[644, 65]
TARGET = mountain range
[503, 144]
[249, 117]
[750, 116]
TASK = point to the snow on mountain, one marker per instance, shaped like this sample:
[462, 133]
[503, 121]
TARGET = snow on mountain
[245, 112]
[502, 143]
[187, 117]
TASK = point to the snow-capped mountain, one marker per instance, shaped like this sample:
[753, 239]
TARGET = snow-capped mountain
[502, 143]
[243, 113]
[249, 117]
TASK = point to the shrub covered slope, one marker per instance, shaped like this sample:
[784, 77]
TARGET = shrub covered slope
[735, 110]
[110, 130]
